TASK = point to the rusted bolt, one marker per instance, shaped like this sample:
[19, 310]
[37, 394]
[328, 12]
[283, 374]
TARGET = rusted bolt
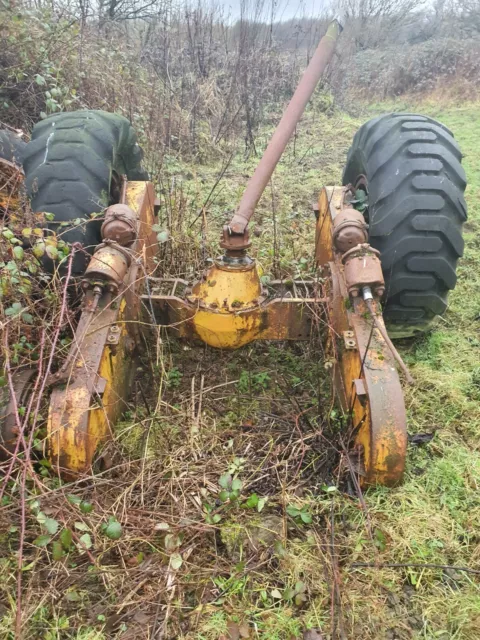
[380, 291]
[354, 293]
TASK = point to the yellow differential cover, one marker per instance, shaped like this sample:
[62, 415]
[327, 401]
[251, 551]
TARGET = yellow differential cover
[228, 299]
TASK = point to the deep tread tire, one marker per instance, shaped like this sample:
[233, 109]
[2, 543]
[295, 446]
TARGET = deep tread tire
[68, 167]
[416, 209]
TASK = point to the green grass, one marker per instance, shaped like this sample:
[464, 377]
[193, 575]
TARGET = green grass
[434, 517]
[253, 424]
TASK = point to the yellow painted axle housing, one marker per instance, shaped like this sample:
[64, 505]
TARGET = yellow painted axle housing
[228, 299]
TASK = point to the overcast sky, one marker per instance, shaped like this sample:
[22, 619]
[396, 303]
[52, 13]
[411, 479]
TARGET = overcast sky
[284, 9]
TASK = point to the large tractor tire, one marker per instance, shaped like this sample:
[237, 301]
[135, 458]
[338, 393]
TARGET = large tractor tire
[405, 170]
[72, 168]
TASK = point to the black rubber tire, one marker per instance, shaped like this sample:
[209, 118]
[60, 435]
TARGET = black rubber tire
[416, 210]
[69, 164]
[11, 147]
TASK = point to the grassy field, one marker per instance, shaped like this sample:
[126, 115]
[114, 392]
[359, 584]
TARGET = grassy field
[225, 476]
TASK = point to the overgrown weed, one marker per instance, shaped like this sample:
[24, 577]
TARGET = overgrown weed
[189, 559]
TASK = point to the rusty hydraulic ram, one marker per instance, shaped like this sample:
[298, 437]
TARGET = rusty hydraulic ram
[235, 234]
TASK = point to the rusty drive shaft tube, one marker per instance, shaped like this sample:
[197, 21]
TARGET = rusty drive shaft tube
[286, 127]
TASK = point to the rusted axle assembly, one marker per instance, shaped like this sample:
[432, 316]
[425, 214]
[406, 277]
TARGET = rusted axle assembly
[228, 307]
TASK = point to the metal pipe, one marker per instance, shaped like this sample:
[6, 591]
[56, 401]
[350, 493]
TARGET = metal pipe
[368, 297]
[286, 127]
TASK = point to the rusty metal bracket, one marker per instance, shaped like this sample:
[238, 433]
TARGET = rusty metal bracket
[366, 381]
[92, 392]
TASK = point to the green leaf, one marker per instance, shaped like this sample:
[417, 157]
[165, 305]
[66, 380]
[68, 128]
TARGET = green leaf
[252, 501]
[15, 310]
[223, 496]
[330, 489]
[51, 526]
[306, 517]
[49, 216]
[42, 540]
[39, 249]
[163, 237]
[113, 530]
[52, 252]
[81, 526]
[73, 596]
[261, 504]
[288, 593]
[40, 80]
[8, 234]
[73, 499]
[275, 593]
[57, 550]
[236, 484]
[18, 253]
[380, 540]
[176, 561]
[66, 539]
[225, 481]
[299, 587]
[293, 511]
[41, 517]
[216, 518]
[86, 540]
[86, 507]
